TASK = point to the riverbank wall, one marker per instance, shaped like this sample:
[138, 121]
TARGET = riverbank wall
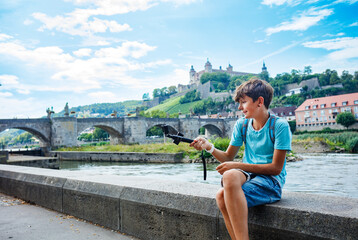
[129, 157]
[156, 209]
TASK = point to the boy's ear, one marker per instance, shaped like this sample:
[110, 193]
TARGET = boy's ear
[261, 101]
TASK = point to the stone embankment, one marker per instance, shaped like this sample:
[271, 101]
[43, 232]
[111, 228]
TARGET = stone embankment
[130, 157]
[161, 210]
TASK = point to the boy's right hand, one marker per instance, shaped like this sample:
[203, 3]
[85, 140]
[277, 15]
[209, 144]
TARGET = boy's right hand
[201, 143]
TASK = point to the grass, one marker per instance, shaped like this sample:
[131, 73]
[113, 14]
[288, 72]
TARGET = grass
[147, 148]
[172, 105]
[220, 143]
[347, 140]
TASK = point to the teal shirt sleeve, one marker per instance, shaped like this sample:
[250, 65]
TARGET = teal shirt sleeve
[283, 136]
[236, 138]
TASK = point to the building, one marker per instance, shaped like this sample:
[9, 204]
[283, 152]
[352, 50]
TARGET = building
[319, 113]
[287, 113]
[294, 88]
[195, 76]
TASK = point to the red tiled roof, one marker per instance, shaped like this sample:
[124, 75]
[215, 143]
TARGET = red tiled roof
[339, 99]
[285, 110]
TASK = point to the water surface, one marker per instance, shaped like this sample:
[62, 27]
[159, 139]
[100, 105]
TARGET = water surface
[329, 174]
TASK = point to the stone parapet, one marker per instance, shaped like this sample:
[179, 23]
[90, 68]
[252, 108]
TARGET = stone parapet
[157, 209]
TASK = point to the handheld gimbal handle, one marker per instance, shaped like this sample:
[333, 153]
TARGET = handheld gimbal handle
[180, 138]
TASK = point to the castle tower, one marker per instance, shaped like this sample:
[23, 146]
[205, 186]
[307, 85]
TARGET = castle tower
[229, 68]
[264, 68]
[208, 66]
[192, 74]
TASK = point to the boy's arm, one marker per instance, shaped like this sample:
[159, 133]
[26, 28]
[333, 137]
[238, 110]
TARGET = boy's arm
[273, 168]
[226, 156]
[229, 155]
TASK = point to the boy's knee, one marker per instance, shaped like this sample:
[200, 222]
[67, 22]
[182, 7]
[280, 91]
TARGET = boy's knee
[220, 198]
[233, 177]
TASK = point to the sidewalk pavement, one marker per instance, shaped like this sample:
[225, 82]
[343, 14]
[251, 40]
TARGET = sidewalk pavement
[22, 221]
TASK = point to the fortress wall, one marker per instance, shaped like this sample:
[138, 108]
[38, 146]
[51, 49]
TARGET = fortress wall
[157, 209]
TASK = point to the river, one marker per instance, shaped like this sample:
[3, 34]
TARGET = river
[329, 174]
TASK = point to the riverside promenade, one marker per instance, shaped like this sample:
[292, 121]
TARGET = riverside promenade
[161, 210]
[20, 220]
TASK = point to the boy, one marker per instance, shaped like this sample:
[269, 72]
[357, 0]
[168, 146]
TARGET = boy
[260, 177]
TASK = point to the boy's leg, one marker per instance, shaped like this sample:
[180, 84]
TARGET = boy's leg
[221, 204]
[232, 203]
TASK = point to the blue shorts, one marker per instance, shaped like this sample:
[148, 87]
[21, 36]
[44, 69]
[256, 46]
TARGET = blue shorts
[261, 189]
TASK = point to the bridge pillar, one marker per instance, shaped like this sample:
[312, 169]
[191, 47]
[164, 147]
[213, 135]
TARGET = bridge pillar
[135, 130]
[189, 127]
[64, 132]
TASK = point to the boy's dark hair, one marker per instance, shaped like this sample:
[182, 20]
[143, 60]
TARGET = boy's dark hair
[255, 88]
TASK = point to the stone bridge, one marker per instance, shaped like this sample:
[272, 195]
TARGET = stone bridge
[64, 131]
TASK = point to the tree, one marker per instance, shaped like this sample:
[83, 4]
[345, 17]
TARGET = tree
[307, 70]
[156, 92]
[292, 125]
[264, 76]
[346, 119]
[334, 78]
[100, 134]
[146, 97]
[172, 90]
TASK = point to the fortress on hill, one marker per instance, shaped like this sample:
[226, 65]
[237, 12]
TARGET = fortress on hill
[207, 89]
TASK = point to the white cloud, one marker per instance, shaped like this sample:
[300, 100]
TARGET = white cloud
[355, 24]
[306, 20]
[79, 22]
[279, 51]
[83, 52]
[275, 2]
[73, 73]
[11, 82]
[25, 108]
[4, 37]
[343, 48]
[28, 22]
[346, 1]
[5, 94]
[105, 97]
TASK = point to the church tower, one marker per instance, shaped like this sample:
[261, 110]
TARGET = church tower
[229, 68]
[192, 74]
[264, 68]
[208, 67]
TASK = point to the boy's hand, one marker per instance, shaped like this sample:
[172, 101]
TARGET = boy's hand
[223, 167]
[201, 144]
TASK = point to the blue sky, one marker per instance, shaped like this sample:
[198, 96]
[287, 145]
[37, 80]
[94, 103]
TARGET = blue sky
[93, 51]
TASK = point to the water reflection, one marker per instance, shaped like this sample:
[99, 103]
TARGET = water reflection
[332, 174]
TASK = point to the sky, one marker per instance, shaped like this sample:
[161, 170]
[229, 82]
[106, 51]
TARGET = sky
[95, 51]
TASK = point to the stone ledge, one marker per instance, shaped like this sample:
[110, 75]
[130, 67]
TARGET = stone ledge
[119, 156]
[154, 209]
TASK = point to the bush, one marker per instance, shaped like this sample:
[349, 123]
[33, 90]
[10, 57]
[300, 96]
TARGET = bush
[352, 145]
[221, 143]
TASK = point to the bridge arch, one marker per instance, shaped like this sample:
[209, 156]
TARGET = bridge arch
[115, 136]
[44, 141]
[211, 130]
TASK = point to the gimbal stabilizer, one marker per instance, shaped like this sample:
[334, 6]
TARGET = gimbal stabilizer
[179, 137]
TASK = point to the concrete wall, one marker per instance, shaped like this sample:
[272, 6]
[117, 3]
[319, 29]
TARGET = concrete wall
[120, 157]
[157, 209]
[4, 156]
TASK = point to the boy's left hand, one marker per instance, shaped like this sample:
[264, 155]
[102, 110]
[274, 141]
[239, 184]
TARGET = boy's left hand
[223, 167]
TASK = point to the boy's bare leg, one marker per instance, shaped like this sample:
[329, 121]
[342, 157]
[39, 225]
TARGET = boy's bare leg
[221, 204]
[235, 203]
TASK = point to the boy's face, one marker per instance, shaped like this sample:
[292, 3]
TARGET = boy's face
[248, 106]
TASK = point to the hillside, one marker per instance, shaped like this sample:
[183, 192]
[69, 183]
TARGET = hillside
[104, 109]
[172, 105]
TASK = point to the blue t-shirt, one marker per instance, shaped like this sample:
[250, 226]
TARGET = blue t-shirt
[259, 147]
